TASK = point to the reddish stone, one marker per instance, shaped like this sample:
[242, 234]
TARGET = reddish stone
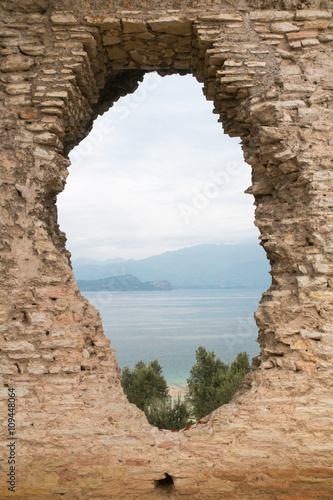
[302, 34]
[321, 25]
[319, 472]
[28, 114]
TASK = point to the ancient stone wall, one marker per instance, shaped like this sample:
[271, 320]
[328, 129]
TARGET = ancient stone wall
[269, 72]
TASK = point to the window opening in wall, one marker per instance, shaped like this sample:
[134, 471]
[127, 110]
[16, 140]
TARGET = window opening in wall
[161, 234]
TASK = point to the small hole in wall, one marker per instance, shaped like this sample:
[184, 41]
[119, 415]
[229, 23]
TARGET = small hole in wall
[25, 318]
[53, 298]
[47, 333]
[166, 484]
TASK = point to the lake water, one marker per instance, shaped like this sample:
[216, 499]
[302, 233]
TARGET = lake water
[171, 325]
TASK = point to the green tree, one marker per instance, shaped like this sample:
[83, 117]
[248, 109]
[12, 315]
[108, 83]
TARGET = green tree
[144, 383]
[213, 383]
[169, 414]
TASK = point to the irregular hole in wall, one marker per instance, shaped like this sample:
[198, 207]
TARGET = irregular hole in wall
[118, 174]
[165, 484]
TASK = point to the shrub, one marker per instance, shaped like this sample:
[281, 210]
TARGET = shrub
[144, 383]
[213, 383]
[169, 414]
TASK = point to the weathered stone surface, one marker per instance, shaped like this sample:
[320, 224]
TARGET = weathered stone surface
[306, 15]
[271, 15]
[171, 26]
[32, 50]
[134, 26]
[226, 16]
[302, 34]
[284, 27]
[66, 19]
[78, 436]
[16, 62]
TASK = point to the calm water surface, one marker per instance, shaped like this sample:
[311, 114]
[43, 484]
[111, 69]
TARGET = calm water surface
[170, 325]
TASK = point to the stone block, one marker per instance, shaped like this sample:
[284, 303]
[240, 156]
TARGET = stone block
[261, 28]
[18, 88]
[32, 50]
[139, 58]
[320, 25]
[271, 36]
[306, 15]
[184, 64]
[21, 345]
[46, 138]
[110, 40]
[325, 37]
[232, 63]
[217, 59]
[255, 64]
[134, 26]
[302, 34]
[6, 32]
[104, 22]
[311, 42]
[16, 62]
[28, 114]
[64, 19]
[285, 27]
[271, 15]
[221, 17]
[171, 26]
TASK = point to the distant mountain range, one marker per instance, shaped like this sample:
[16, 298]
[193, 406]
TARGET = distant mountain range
[201, 266]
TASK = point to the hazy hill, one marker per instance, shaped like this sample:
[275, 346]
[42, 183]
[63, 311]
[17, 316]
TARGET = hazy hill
[122, 283]
[243, 265]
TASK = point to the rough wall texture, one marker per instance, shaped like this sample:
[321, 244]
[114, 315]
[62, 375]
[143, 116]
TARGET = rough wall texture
[269, 69]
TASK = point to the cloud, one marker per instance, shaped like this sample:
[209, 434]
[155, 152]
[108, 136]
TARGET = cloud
[156, 174]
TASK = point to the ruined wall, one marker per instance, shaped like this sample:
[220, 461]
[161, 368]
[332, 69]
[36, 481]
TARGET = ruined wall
[269, 73]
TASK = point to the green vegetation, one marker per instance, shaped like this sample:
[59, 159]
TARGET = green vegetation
[169, 414]
[211, 384]
[144, 383]
[145, 386]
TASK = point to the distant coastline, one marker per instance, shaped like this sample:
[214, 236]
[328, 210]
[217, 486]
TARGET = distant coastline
[199, 267]
[130, 283]
[122, 283]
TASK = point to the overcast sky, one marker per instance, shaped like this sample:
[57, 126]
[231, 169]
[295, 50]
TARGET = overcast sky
[156, 174]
